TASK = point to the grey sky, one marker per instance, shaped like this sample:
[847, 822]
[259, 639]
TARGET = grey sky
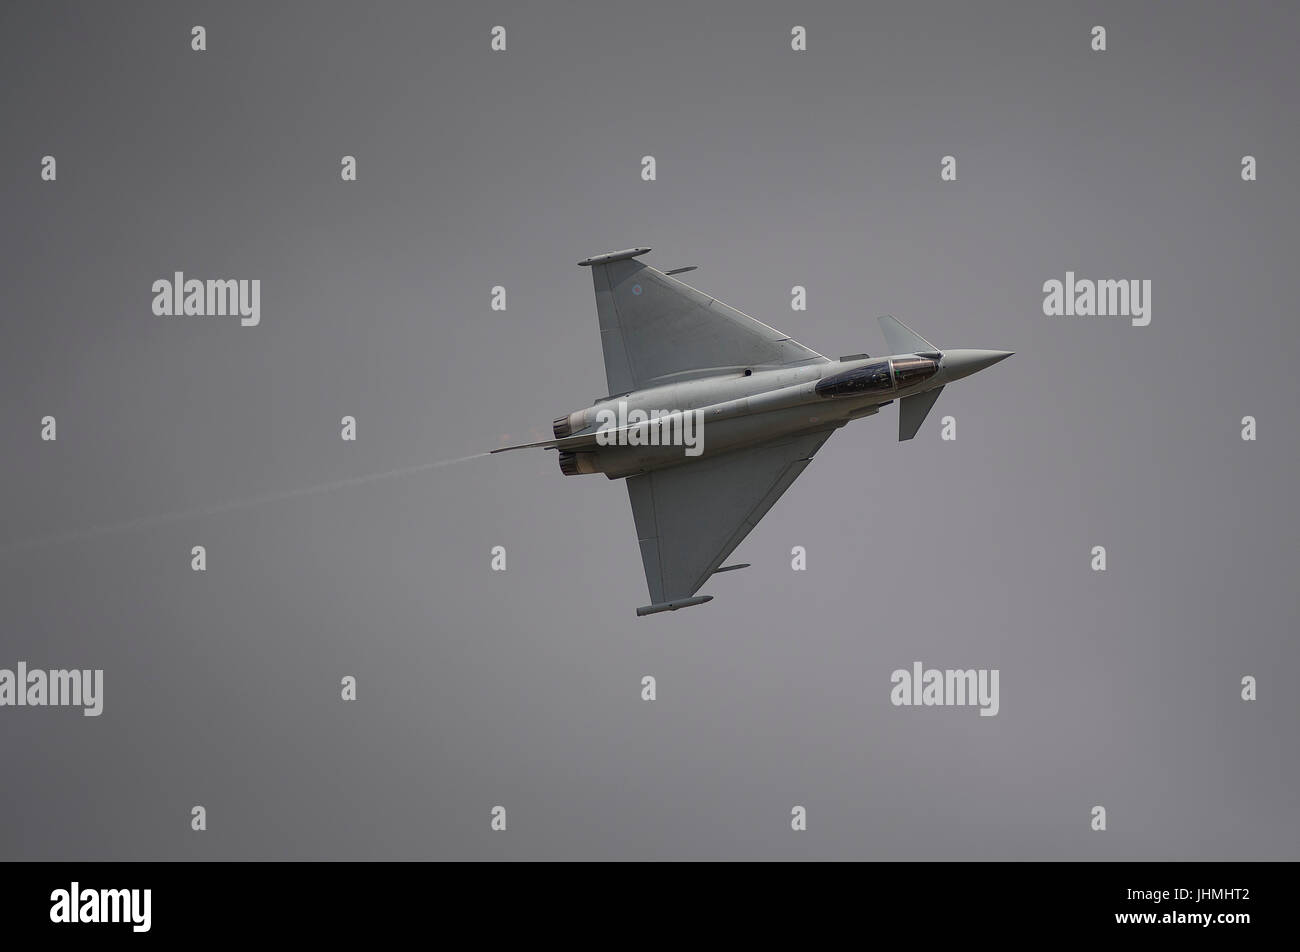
[522, 688]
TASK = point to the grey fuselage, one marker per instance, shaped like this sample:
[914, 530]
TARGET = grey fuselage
[738, 409]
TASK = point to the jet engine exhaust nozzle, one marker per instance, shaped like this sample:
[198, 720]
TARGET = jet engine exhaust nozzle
[577, 464]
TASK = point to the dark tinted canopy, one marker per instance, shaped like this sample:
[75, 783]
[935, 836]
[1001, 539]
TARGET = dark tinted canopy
[909, 371]
[876, 377]
[870, 378]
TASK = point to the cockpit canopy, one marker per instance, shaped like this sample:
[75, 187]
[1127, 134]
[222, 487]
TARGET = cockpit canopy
[909, 371]
[869, 378]
[877, 377]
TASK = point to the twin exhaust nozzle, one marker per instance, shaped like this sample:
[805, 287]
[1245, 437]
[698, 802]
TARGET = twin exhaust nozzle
[577, 464]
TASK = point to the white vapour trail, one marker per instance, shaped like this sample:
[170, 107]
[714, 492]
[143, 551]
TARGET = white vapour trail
[149, 521]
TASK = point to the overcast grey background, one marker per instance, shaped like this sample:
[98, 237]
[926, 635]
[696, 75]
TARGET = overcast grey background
[523, 688]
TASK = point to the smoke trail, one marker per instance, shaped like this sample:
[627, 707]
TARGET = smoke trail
[150, 521]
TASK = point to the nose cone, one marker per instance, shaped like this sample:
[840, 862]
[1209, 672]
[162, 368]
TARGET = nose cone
[963, 363]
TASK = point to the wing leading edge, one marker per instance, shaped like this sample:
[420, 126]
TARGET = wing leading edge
[690, 518]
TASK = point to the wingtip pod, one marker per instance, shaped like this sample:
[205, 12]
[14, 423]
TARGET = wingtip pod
[673, 605]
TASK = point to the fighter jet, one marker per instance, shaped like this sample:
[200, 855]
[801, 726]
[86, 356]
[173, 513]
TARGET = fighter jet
[712, 415]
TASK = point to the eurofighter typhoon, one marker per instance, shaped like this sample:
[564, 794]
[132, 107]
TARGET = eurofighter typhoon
[712, 415]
